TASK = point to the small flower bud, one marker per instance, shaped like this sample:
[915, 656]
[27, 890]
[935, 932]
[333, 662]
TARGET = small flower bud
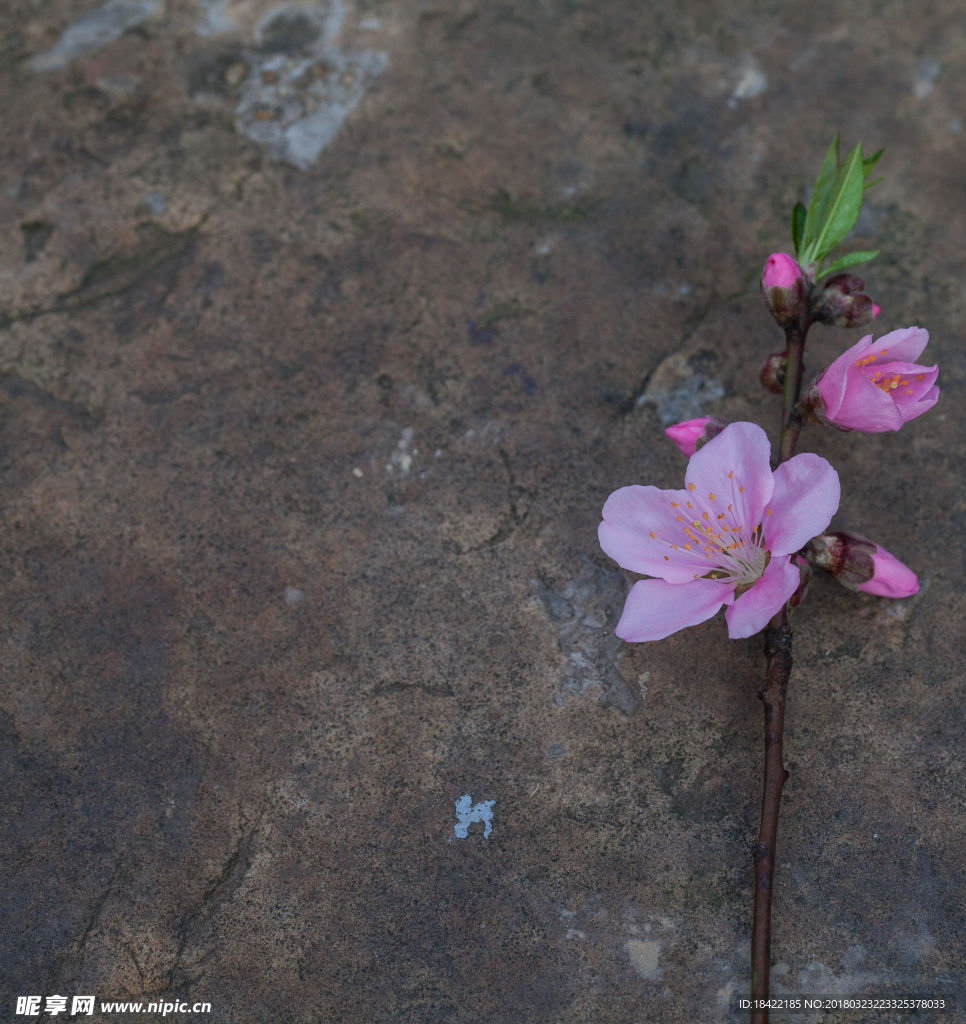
[772, 372]
[860, 564]
[690, 435]
[804, 576]
[783, 287]
[843, 303]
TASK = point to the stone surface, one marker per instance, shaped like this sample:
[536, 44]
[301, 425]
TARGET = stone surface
[302, 468]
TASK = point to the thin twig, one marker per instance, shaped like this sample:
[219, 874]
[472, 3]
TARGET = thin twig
[778, 654]
[778, 651]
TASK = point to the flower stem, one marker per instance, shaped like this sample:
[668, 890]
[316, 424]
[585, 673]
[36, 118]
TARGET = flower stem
[778, 654]
[778, 651]
[791, 419]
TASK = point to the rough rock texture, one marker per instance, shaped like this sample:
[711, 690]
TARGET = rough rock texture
[304, 439]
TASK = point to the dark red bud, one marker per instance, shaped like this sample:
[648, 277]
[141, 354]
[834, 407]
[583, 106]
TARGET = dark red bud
[804, 577]
[842, 303]
[772, 372]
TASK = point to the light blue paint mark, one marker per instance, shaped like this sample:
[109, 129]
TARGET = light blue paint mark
[94, 30]
[467, 812]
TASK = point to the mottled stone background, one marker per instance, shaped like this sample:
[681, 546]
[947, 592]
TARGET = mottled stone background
[324, 334]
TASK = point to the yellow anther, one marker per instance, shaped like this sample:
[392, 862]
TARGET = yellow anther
[690, 505]
[680, 519]
[909, 392]
[711, 495]
[690, 487]
[653, 534]
[731, 474]
[768, 510]
[721, 516]
[666, 559]
[741, 490]
[919, 376]
[687, 547]
[674, 504]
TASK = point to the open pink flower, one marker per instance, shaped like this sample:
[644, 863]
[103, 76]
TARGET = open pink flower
[875, 386]
[726, 539]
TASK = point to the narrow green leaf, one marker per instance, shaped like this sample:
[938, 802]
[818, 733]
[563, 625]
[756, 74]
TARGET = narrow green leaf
[823, 184]
[842, 206]
[875, 181]
[851, 260]
[868, 162]
[798, 226]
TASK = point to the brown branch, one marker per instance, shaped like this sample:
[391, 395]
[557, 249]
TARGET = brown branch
[778, 654]
[778, 651]
[795, 335]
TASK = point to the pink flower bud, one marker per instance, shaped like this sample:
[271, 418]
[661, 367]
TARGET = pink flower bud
[781, 271]
[874, 386]
[783, 287]
[860, 564]
[690, 435]
[843, 303]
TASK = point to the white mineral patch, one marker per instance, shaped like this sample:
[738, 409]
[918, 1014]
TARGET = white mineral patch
[752, 83]
[214, 18]
[644, 958]
[402, 459]
[926, 77]
[467, 812]
[293, 103]
[293, 596]
[94, 30]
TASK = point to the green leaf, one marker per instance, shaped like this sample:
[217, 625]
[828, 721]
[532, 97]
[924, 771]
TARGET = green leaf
[851, 260]
[798, 226]
[868, 162]
[823, 185]
[842, 207]
[875, 181]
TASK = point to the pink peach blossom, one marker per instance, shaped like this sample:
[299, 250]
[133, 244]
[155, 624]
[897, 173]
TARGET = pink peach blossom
[692, 434]
[726, 539]
[875, 386]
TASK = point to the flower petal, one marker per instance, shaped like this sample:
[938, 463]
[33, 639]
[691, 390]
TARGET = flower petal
[906, 384]
[632, 514]
[750, 612]
[735, 467]
[655, 609]
[831, 381]
[928, 400]
[866, 407]
[904, 345]
[807, 493]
